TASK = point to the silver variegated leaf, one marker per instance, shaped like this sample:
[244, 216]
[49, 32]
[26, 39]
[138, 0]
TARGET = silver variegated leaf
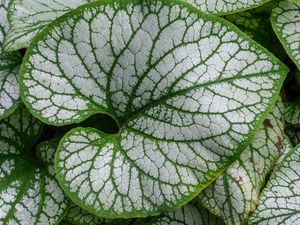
[188, 92]
[28, 17]
[9, 69]
[222, 7]
[235, 193]
[286, 23]
[28, 193]
[280, 200]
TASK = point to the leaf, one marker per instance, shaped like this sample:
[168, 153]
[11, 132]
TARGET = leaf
[295, 1]
[292, 112]
[294, 135]
[9, 68]
[190, 214]
[222, 7]
[187, 103]
[285, 20]
[279, 203]
[28, 193]
[28, 17]
[235, 193]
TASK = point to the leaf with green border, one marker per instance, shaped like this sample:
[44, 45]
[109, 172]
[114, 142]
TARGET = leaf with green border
[188, 91]
[29, 194]
[222, 7]
[9, 69]
[190, 214]
[236, 192]
[258, 27]
[285, 20]
[292, 112]
[28, 17]
[280, 200]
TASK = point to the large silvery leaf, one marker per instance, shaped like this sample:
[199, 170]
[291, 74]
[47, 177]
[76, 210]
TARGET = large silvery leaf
[9, 68]
[286, 24]
[29, 194]
[280, 200]
[190, 214]
[188, 91]
[28, 17]
[222, 7]
[235, 194]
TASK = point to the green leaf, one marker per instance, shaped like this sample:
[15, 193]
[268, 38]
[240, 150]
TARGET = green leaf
[190, 214]
[28, 17]
[188, 91]
[292, 112]
[235, 194]
[222, 7]
[280, 200]
[285, 20]
[295, 1]
[28, 193]
[9, 69]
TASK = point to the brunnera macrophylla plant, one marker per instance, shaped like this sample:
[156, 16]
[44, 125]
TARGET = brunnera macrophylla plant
[194, 90]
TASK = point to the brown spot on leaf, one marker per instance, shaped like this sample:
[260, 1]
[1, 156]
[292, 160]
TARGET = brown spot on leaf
[239, 179]
[267, 123]
[296, 16]
[279, 144]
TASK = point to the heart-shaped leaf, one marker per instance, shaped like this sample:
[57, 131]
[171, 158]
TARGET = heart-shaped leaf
[190, 214]
[222, 7]
[28, 17]
[29, 194]
[235, 194]
[188, 91]
[9, 69]
[286, 24]
[280, 200]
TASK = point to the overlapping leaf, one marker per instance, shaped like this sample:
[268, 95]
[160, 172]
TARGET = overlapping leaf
[292, 112]
[222, 7]
[28, 17]
[286, 23]
[9, 68]
[234, 195]
[29, 194]
[187, 89]
[280, 200]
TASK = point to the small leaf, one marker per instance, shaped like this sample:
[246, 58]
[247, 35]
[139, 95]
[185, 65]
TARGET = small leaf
[292, 112]
[187, 103]
[190, 214]
[280, 200]
[286, 24]
[222, 7]
[235, 194]
[28, 193]
[9, 69]
[28, 17]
